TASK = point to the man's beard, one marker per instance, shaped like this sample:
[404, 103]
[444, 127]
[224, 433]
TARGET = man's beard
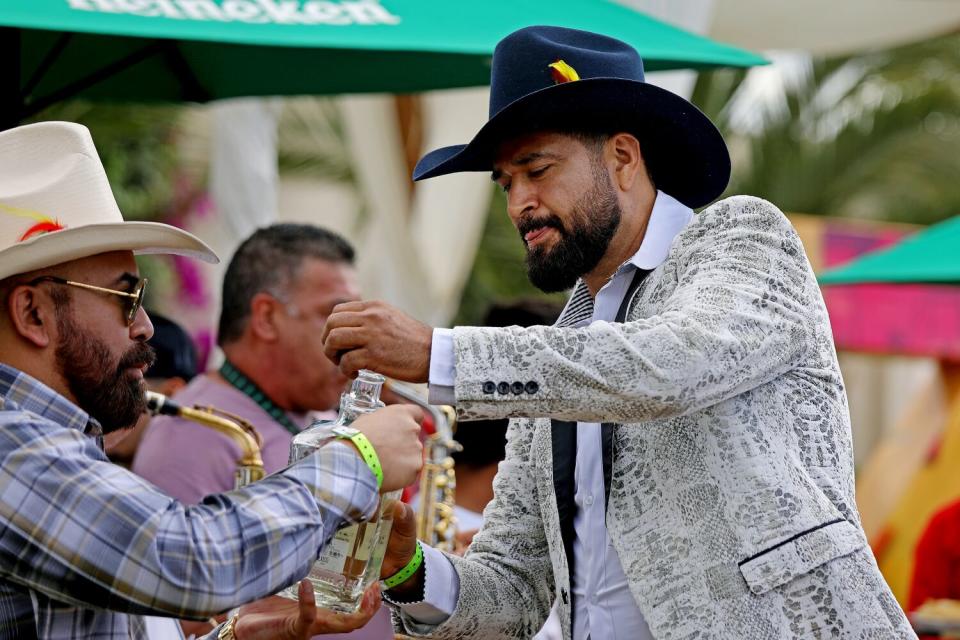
[107, 392]
[594, 220]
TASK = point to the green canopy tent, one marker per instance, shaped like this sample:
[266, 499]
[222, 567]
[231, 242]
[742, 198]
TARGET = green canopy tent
[199, 50]
[930, 256]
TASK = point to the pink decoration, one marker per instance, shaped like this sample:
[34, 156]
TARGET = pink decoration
[904, 319]
[192, 285]
[203, 340]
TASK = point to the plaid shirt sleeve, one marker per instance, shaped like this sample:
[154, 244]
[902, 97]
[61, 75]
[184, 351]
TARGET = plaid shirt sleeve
[82, 530]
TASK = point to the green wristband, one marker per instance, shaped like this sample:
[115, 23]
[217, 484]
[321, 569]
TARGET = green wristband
[404, 574]
[367, 452]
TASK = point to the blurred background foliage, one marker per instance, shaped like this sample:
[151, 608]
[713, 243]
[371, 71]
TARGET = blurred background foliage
[311, 140]
[870, 136]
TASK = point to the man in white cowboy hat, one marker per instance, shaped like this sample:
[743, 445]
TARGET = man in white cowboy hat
[86, 547]
[683, 467]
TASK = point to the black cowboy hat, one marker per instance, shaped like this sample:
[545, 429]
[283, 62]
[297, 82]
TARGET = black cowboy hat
[553, 78]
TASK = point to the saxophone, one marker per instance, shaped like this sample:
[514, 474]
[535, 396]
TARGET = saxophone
[436, 524]
[250, 465]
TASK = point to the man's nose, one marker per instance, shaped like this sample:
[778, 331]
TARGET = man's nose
[142, 329]
[521, 198]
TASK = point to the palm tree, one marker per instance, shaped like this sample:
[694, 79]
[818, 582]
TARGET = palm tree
[868, 136]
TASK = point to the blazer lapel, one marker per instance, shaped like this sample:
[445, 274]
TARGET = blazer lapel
[563, 436]
[564, 445]
[606, 428]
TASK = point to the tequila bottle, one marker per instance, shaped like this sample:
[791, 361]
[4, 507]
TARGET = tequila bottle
[351, 561]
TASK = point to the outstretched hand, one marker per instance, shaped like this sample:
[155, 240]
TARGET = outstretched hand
[374, 335]
[277, 618]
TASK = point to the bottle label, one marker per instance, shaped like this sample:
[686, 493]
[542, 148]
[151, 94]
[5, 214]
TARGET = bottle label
[350, 546]
[334, 555]
[366, 544]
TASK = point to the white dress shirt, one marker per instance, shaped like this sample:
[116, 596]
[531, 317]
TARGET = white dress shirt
[604, 607]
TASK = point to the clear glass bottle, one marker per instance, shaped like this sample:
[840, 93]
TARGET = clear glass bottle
[351, 561]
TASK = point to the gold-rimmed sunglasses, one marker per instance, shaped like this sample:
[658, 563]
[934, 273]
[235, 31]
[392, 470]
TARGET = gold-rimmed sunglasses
[133, 300]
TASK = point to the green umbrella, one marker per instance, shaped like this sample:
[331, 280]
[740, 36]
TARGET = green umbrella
[931, 256]
[199, 50]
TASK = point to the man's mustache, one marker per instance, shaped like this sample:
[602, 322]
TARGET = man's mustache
[526, 225]
[139, 355]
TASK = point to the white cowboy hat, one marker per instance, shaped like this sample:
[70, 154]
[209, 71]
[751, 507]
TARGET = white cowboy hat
[56, 204]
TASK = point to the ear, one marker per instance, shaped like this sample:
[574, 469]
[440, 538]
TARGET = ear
[623, 153]
[32, 316]
[263, 317]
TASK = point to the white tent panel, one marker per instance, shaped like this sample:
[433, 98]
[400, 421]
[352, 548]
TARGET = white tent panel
[829, 27]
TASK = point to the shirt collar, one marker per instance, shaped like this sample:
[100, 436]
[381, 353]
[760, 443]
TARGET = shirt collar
[667, 219]
[27, 393]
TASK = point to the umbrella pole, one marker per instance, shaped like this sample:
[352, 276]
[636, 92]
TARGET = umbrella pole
[10, 98]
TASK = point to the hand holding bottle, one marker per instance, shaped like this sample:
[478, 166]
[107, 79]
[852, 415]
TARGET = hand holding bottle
[388, 441]
[402, 545]
[394, 432]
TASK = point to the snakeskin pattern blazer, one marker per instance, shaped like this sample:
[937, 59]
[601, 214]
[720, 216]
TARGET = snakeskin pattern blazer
[731, 502]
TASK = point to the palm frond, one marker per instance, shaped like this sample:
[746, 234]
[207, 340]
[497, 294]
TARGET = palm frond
[868, 136]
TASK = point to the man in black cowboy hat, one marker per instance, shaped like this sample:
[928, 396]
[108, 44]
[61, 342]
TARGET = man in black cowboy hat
[683, 465]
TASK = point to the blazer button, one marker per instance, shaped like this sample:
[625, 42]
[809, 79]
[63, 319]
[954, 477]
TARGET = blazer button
[489, 386]
[503, 388]
[517, 388]
[531, 387]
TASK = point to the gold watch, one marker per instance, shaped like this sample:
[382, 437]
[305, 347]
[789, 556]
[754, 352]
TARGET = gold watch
[226, 631]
